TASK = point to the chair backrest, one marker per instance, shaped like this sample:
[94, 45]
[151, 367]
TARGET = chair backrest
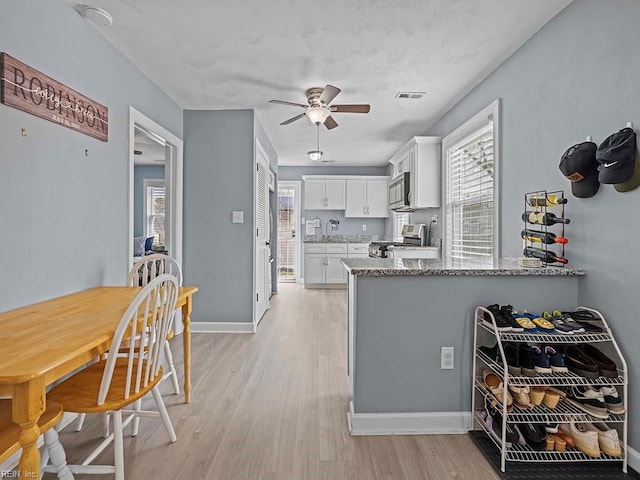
[150, 312]
[151, 266]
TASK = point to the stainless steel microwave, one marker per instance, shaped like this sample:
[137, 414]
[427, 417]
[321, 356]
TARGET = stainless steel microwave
[400, 194]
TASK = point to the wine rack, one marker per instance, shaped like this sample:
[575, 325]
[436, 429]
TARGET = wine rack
[552, 202]
[485, 331]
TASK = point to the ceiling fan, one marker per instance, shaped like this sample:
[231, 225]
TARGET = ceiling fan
[319, 108]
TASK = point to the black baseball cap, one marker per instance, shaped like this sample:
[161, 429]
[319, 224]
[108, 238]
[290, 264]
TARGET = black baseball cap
[617, 157]
[580, 166]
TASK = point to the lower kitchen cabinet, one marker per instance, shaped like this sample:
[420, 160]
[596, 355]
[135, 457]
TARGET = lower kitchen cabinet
[314, 268]
[322, 263]
[334, 270]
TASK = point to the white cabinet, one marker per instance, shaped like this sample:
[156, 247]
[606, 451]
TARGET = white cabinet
[324, 194]
[367, 197]
[322, 263]
[334, 270]
[421, 157]
[358, 250]
[314, 266]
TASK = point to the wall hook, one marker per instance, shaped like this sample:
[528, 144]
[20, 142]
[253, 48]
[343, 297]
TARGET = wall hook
[24, 132]
[86, 153]
[629, 124]
[589, 138]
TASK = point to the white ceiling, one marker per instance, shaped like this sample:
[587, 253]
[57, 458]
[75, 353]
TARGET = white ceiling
[239, 54]
[152, 152]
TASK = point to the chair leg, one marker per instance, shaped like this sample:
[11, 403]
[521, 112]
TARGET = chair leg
[172, 368]
[80, 421]
[118, 446]
[136, 420]
[164, 414]
[56, 454]
[105, 425]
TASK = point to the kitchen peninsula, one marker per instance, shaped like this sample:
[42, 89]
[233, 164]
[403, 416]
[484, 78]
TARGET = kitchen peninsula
[401, 312]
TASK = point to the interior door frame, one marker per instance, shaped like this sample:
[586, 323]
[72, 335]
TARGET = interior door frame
[174, 183]
[297, 258]
[259, 150]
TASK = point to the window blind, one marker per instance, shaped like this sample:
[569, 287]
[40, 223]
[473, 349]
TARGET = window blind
[400, 219]
[469, 178]
[155, 212]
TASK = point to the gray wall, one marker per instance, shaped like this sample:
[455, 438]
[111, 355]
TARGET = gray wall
[218, 178]
[140, 173]
[577, 76]
[64, 214]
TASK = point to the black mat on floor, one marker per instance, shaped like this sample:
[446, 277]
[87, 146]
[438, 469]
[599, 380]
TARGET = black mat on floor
[537, 471]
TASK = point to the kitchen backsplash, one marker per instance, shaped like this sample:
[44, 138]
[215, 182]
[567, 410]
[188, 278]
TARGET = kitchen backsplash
[348, 226]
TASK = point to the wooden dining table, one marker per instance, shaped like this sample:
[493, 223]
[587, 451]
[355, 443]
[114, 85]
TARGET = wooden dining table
[44, 342]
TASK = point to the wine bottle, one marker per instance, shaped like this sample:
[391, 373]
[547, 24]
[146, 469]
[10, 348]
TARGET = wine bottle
[541, 218]
[546, 201]
[548, 257]
[542, 237]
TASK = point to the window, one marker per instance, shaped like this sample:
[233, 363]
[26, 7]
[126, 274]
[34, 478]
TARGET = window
[470, 183]
[400, 219]
[154, 203]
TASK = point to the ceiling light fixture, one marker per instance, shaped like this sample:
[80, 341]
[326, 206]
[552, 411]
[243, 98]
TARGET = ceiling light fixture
[316, 155]
[96, 15]
[318, 115]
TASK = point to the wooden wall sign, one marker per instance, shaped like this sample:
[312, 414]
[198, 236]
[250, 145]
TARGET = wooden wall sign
[27, 89]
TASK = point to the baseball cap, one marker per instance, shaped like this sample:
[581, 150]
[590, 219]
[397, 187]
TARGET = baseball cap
[580, 166]
[617, 157]
[634, 181]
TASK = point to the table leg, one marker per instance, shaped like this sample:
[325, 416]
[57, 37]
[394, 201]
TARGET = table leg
[28, 404]
[186, 339]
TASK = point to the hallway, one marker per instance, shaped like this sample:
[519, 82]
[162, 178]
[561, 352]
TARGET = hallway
[273, 406]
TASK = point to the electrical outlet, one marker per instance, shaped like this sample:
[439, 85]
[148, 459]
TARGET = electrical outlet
[237, 217]
[446, 358]
[364, 227]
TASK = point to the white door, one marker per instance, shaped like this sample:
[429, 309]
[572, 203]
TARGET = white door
[356, 198]
[262, 233]
[314, 195]
[377, 198]
[288, 221]
[335, 194]
[314, 268]
[335, 271]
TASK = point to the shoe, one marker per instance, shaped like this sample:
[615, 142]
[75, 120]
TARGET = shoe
[582, 315]
[507, 314]
[502, 324]
[608, 439]
[521, 396]
[568, 321]
[590, 328]
[556, 359]
[537, 394]
[568, 440]
[589, 400]
[542, 324]
[527, 325]
[493, 422]
[551, 427]
[558, 323]
[606, 366]
[586, 440]
[512, 355]
[491, 352]
[551, 399]
[534, 434]
[541, 361]
[493, 383]
[559, 443]
[526, 361]
[612, 400]
[579, 363]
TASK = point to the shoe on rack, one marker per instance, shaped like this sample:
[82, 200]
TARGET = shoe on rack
[580, 363]
[537, 394]
[608, 439]
[512, 355]
[586, 440]
[606, 366]
[491, 352]
[589, 400]
[525, 355]
[556, 359]
[582, 316]
[559, 323]
[502, 324]
[493, 422]
[589, 327]
[542, 324]
[551, 427]
[507, 314]
[612, 400]
[520, 396]
[534, 434]
[493, 383]
[559, 443]
[568, 321]
[525, 323]
[541, 361]
[551, 398]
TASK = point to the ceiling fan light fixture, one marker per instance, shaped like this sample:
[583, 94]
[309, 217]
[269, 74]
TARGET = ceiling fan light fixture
[315, 155]
[318, 115]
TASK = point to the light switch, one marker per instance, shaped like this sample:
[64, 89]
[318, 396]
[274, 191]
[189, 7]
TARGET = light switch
[446, 358]
[237, 217]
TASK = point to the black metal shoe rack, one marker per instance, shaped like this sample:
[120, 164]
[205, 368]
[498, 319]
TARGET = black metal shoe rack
[558, 228]
[565, 411]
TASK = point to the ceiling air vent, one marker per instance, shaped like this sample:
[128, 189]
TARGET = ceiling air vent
[410, 95]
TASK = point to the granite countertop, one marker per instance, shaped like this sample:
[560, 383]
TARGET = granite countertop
[385, 267]
[412, 247]
[343, 238]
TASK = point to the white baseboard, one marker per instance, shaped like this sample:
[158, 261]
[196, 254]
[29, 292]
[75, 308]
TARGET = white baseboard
[409, 423]
[222, 327]
[633, 458]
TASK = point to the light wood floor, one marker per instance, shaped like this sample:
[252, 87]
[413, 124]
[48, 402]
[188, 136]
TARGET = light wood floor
[273, 406]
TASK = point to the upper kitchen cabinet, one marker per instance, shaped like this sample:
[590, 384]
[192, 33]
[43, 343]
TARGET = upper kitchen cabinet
[367, 197]
[324, 193]
[421, 158]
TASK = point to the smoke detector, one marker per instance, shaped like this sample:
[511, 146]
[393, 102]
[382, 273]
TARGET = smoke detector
[96, 15]
[410, 95]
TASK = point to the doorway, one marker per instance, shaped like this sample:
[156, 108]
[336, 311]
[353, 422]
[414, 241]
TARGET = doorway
[262, 244]
[288, 221]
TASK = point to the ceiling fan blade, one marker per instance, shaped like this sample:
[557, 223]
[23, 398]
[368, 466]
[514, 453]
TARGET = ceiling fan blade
[330, 123]
[282, 102]
[362, 108]
[291, 120]
[328, 94]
